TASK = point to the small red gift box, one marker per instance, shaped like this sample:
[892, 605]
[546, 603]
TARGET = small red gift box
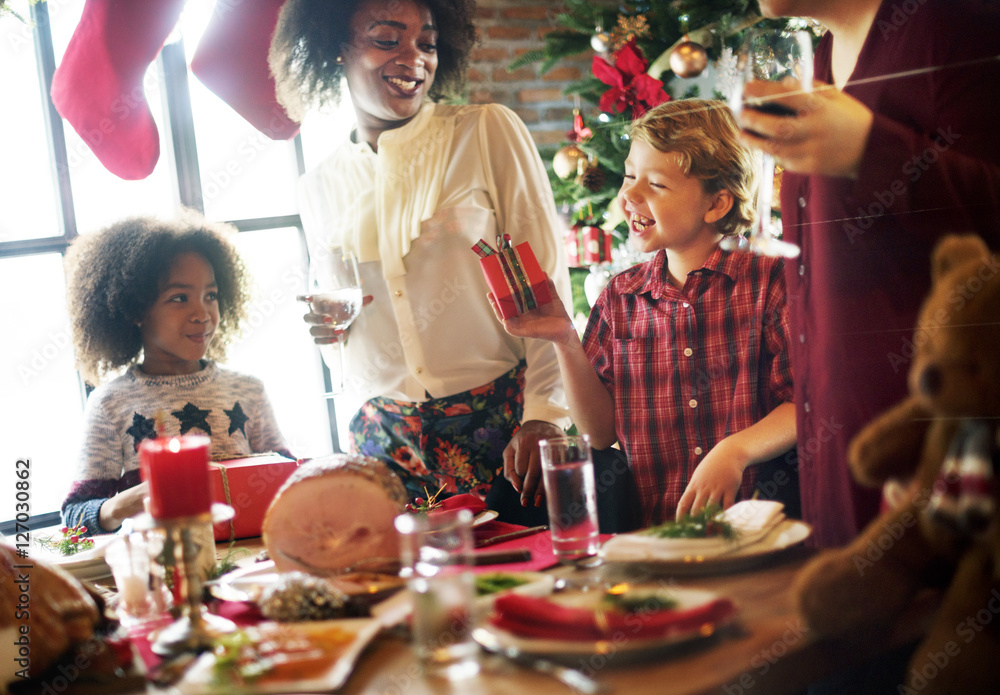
[247, 485]
[573, 240]
[513, 275]
[587, 245]
[596, 245]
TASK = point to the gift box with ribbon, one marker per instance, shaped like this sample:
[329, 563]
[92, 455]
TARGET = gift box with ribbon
[247, 485]
[587, 245]
[596, 245]
[513, 275]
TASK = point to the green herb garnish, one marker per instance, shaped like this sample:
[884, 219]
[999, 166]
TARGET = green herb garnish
[639, 601]
[69, 542]
[492, 583]
[707, 523]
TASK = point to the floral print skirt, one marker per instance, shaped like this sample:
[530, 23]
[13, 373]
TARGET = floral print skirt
[455, 443]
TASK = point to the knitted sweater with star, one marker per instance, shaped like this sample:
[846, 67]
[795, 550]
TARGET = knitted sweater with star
[230, 407]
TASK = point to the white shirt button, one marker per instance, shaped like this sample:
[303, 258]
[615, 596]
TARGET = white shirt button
[688, 352]
[693, 403]
[805, 407]
[802, 202]
[802, 268]
[685, 305]
[802, 337]
[697, 450]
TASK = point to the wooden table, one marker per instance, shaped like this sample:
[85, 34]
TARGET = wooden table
[768, 650]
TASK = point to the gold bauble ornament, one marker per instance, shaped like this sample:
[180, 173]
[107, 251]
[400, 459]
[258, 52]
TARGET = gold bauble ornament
[600, 41]
[688, 59]
[567, 160]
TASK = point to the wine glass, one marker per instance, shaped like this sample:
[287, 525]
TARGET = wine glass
[774, 56]
[335, 292]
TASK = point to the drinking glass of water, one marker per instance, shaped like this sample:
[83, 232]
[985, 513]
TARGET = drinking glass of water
[335, 292]
[436, 552]
[568, 476]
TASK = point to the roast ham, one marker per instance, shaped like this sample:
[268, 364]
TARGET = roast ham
[43, 607]
[334, 513]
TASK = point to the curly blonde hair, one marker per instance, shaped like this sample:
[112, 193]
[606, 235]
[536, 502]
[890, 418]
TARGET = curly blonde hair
[706, 139]
[114, 276]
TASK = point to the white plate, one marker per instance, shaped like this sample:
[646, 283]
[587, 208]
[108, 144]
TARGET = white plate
[199, 680]
[621, 648]
[788, 533]
[248, 583]
[87, 565]
[484, 516]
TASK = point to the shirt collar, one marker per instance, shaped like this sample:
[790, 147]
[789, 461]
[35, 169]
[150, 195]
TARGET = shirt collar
[654, 278]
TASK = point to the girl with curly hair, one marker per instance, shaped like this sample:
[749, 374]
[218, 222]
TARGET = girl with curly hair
[159, 298]
[451, 398]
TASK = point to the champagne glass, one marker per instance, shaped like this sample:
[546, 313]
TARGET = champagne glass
[335, 292]
[774, 56]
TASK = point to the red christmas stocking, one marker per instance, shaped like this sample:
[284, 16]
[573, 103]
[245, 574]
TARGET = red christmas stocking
[231, 60]
[98, 85]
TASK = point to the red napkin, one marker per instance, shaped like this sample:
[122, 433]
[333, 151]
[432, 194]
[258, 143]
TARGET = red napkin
[465, 501]
[529, 616]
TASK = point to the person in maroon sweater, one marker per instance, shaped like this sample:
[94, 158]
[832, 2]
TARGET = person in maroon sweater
[898, 150]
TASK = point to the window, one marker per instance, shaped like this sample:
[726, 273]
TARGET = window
[53, 188]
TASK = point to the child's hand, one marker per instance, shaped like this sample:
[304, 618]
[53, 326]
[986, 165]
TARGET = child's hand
[547, 322]
[125, 504]
[716, 480]
[320, 330]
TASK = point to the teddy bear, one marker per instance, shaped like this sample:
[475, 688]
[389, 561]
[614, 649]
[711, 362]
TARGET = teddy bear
[938, 449]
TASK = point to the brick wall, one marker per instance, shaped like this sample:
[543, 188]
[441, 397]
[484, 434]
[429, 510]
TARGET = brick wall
[507, 29]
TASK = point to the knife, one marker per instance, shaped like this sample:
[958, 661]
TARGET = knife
[501, 557]
[504, 537]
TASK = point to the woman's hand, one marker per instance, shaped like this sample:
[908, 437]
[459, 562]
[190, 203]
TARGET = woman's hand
[716, 480]
[546, 322]
[319, 324]
[522, 464]
[827, 135]
[124, 505]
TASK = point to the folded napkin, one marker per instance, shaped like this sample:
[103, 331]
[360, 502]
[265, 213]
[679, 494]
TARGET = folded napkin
[464, 501]
[751, 519]
[530, 616]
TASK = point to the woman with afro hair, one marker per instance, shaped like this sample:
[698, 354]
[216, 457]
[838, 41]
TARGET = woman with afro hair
[162, 299]
[453, 402]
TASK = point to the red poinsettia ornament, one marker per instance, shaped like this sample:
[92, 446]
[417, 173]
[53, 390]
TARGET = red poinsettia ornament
[631, 87]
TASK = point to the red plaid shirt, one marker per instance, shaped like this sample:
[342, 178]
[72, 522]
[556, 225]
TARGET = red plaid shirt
[688, 367]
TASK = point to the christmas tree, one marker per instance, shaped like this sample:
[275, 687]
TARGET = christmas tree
[644, 53]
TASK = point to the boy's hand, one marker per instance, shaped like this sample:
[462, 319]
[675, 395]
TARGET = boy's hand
[547, 322]
[522, 464]
[320, 330]
[717, 480]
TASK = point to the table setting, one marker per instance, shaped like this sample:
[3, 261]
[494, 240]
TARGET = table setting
[460, 596]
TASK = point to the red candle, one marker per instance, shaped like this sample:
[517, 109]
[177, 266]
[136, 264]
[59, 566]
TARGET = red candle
[176, 469]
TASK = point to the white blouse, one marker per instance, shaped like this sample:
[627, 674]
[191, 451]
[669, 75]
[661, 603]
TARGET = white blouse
[412, 211]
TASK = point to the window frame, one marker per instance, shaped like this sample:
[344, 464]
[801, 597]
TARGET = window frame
[183, 154]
